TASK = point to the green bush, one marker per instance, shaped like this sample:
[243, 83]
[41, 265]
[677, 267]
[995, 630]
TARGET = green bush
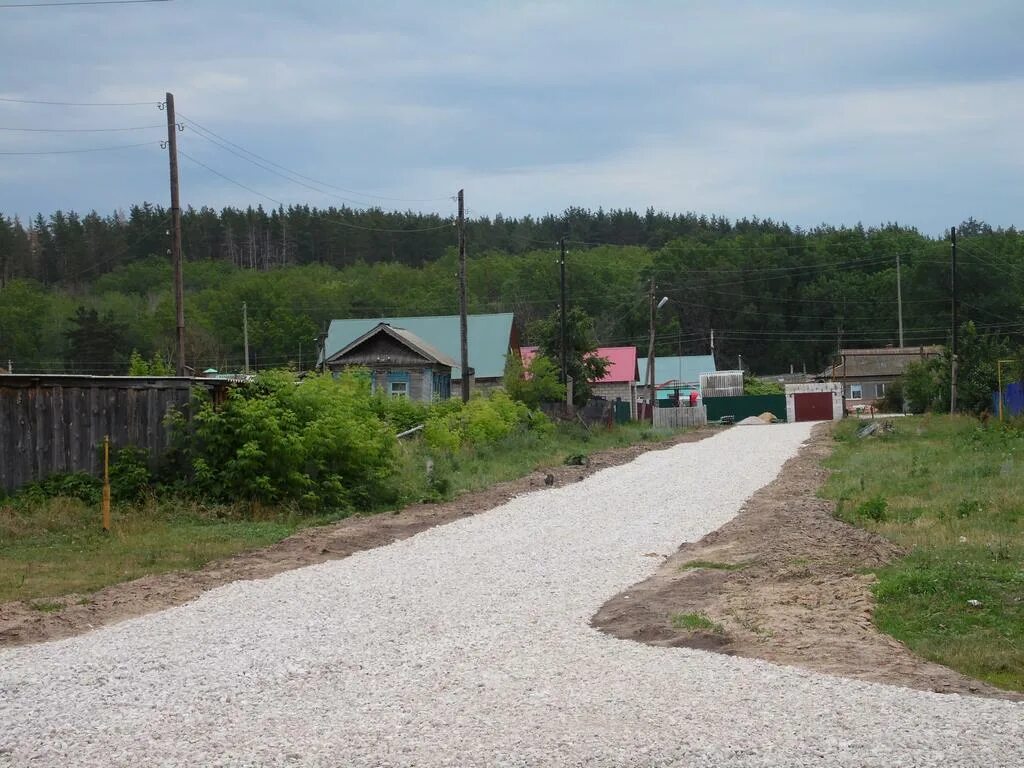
[74, 485]
[874, 508]
[480, 422]
[320, 443]
[129, 474]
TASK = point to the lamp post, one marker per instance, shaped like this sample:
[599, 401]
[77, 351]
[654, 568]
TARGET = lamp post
[651, 380]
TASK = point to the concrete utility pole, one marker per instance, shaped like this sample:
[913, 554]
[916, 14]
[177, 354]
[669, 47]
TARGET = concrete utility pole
[463, 322]
[899, 299]
[245, 334]
[179, 290]
[954, 363]
[562, 310]
[650, 356]
[712, 343]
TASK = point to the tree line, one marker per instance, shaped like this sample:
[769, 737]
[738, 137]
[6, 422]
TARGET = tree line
[81, 293]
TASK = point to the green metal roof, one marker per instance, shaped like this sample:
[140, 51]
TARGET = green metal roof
[489, 337]
[686, 369]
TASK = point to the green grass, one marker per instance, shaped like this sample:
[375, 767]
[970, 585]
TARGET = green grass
[47, 607]
[951, 491]
[57, 547]
[696, 621]
[712, 565]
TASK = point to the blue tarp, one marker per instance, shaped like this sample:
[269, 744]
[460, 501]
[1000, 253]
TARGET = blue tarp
[1013, 399]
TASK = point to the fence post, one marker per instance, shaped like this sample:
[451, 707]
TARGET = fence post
[106, 483]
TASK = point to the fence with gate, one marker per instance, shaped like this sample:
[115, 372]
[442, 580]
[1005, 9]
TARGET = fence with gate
[683, 416]
[52, 424]
[746, 405]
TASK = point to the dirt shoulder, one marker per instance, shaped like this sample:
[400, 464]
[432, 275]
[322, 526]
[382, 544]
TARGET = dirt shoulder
[21, 624]
[799, 594]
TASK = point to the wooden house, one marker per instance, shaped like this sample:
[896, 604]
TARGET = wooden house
[490, 339]
[401, 364]
[866, 374]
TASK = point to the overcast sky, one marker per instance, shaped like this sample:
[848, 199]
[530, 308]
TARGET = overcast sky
[807, 112]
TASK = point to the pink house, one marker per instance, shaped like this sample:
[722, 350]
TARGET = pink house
[620, 381]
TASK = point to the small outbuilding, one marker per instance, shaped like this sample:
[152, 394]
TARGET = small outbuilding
[401, 364]
[821, 401]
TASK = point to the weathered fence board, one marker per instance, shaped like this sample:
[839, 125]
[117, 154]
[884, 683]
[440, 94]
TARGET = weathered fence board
[51, 424]
[683, 416]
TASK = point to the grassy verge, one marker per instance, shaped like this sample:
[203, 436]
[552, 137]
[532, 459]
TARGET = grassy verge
[951, 491]
[56, 547]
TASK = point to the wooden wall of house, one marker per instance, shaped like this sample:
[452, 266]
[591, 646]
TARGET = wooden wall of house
[381, 351]
[53, 424]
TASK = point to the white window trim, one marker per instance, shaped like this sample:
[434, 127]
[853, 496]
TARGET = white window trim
[399, 389]
[856, 392]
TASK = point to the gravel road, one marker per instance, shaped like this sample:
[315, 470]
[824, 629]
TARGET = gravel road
[469, 644]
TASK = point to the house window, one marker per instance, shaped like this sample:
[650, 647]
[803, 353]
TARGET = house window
[856, 393]
[399, 389]
[880, 390]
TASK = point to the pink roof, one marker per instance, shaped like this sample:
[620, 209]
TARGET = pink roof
[622, 365]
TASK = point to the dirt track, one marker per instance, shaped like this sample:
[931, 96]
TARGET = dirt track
[799, 596]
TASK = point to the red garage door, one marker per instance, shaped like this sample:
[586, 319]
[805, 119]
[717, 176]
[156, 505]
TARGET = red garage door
[813, 406]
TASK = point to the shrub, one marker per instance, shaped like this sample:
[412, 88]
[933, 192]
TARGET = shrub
[75, 485]
[480, 422]
[129, 474]
[535, 384]
[320, 443]
[874, 508]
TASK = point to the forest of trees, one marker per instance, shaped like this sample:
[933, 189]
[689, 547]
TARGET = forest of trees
[81, 293]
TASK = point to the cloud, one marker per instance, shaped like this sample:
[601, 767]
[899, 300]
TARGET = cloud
[797, 109]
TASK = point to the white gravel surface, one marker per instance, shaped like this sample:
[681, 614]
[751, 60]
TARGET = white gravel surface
[469, 644]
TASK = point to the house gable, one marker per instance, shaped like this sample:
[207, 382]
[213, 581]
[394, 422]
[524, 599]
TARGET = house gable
[387, 347]
[490, 338]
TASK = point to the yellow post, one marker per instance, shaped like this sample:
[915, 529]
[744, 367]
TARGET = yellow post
[106, 483]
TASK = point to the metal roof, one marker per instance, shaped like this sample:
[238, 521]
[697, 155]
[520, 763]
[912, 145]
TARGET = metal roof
[683, 370]
[489, 337]
[886, 361]
[621, 363]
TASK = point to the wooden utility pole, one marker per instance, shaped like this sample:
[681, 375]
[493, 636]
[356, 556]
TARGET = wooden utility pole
[179, 291]
[954, 363]
[650, 357]
[463, 322]
[562, 310]
[245, 334]
[899, 299]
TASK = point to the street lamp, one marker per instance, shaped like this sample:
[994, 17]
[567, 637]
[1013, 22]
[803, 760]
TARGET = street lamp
[650, 351]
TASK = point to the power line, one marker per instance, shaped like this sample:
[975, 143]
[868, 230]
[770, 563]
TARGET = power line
[324, 220]
[203, 128]
[278, 173]
[82, 103]
[81, 130]
[80, 151]
[229, 179]
[79, 2]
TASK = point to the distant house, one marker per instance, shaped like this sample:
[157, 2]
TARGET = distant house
[491, 338]
[676, 376]
[866, 374]
[401, 364]
[619, 381]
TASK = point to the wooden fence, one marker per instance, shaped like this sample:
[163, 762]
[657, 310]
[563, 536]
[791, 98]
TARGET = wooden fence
[683, 416]
[51, 424]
